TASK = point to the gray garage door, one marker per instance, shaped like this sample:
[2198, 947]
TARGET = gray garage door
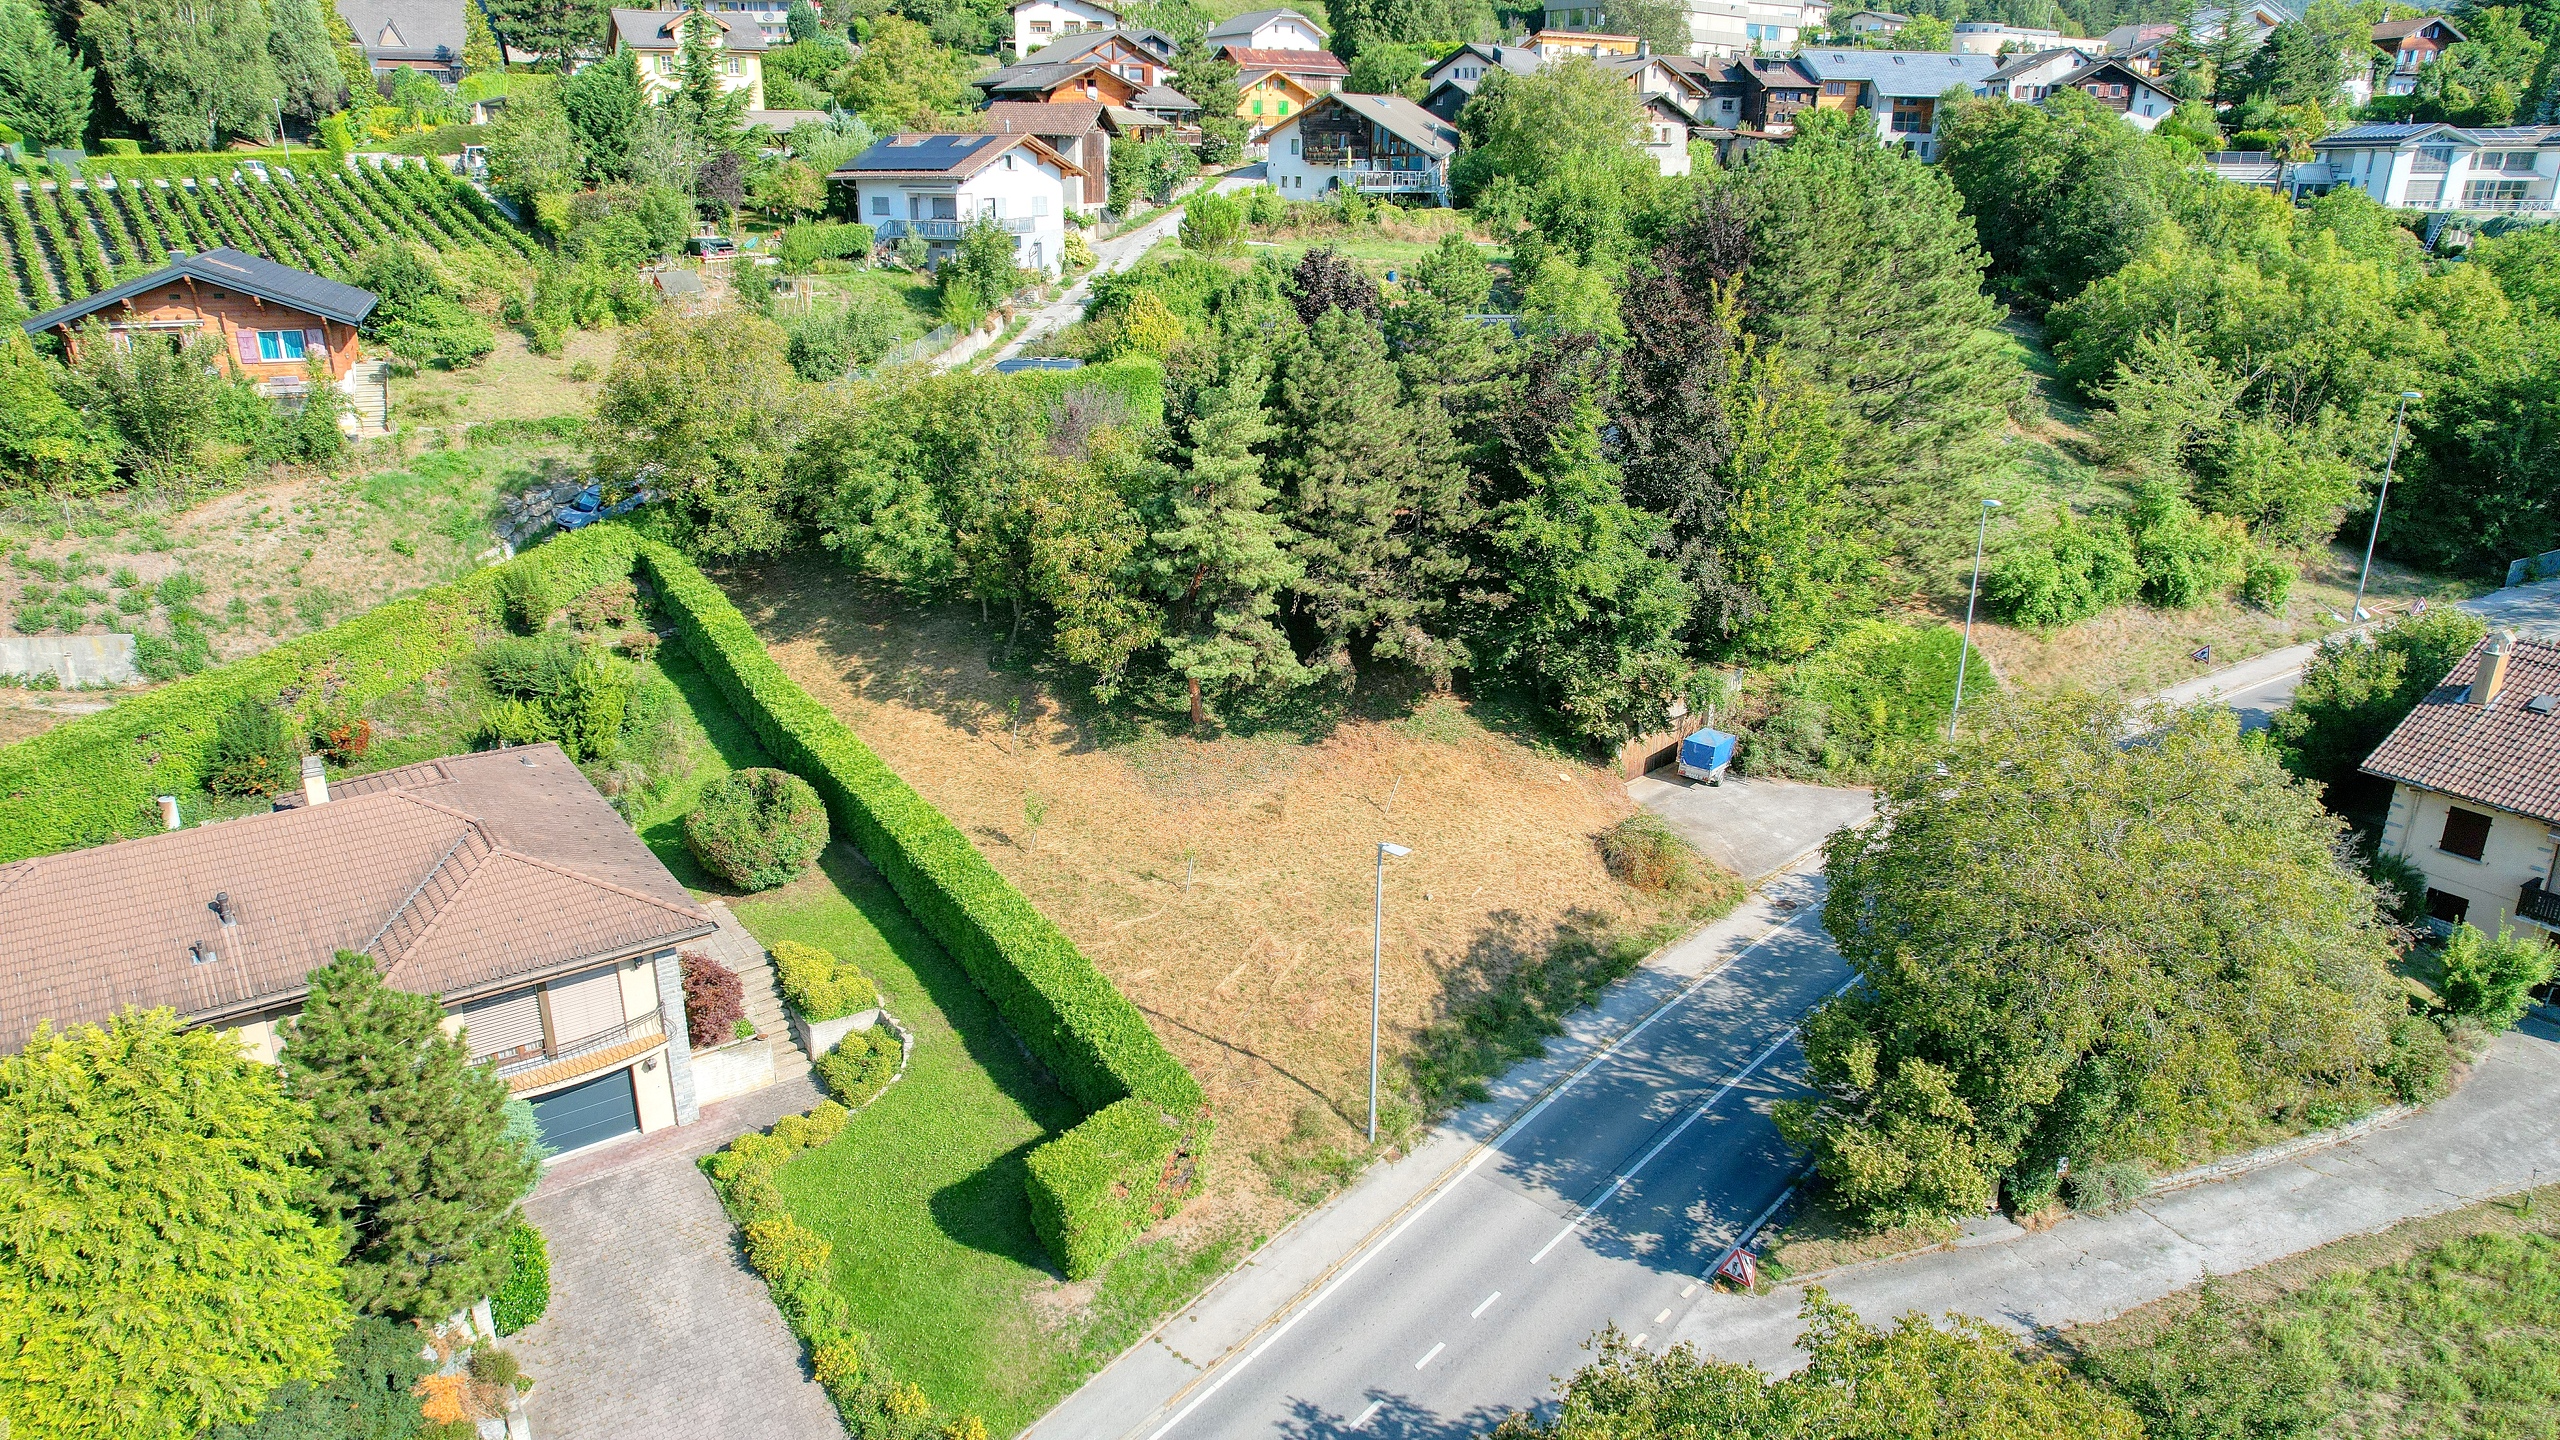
[581, 1115]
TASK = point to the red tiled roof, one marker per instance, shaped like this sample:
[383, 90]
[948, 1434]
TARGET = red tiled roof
[2505, 754]
[460, 875]
[1293, 62]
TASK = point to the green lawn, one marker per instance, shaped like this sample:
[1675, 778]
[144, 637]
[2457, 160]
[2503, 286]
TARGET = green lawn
[922, 1195]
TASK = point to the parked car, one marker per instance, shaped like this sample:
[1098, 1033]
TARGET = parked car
[582, 512]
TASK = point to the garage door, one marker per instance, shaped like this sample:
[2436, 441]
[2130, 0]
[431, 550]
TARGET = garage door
[581, 1115]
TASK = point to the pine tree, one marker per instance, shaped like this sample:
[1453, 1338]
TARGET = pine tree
[802, 22]
[710, 112]
[299, 46]
[416, 1168]
[1371, 489]
[190, 73]
[481, 53]
[44, 89]
[603, 104]
[1217, 552]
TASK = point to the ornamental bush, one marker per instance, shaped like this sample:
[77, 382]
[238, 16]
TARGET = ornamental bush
[526, 1292]
[714, 1000]
[756, 828]
[255, 751]
[861, 1066]
[818, 985]
[2491, 981]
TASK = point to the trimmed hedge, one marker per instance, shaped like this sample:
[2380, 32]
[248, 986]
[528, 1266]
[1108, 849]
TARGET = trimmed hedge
[1097, 1185]
[93, 780]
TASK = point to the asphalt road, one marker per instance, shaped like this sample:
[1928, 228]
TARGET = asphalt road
[1603, 1205]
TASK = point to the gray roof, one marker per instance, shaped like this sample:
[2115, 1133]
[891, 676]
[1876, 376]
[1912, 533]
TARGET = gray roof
[1162, 97]
[1400, 117]
[1518, 59]
[2025, 63]
[1075, 47]
[406, 29]
[232, 269]
[1253, 20]
[2109, 62]
[657, 30]
[1899, 72]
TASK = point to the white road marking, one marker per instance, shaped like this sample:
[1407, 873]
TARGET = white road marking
[1641, 1337]
[1484, 1305]
[1369, 1414]
[1483, 1153]
[1430, 1355]
[1692, 1290]
[1665, 1315]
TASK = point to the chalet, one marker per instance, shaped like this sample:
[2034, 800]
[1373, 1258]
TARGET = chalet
[2140, 46]
[1272, 85]
[655, 40]
[501, 883]
[2123, 89]
[1453, 80]
[2512, 169]
[934, 186]
[271, 321]
[1038, 23]
[2411, 44]
[1667, 129]
[1121, 68]
[1377, 144]
[1898, 89]
[396, 35]
[1720, 85]
[1774, 90]
[2475, 789]
[1880, 23]
[1082, 132]
[1265, 30]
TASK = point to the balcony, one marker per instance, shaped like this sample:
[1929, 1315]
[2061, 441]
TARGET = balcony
[1409, 182]
[943, 229]
[566, 1059]
[2484, 207]
[2538, 905]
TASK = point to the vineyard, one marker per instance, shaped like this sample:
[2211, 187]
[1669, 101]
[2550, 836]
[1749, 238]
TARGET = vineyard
[68, 239]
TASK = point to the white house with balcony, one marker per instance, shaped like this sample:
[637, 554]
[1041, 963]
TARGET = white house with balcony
[1382, 145]
[2510, 169]
[1039, 23]
[1265, 30]
[935, 186]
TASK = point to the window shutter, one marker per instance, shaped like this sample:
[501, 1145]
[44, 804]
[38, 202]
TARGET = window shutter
[317, 340]
[503, 1025]
[248, 346]
[584, 1005]
[2466, 833]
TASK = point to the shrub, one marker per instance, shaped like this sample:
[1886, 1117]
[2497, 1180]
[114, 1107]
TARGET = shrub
[2267, 581]
[2065, 575]
[818, 985]
[526, 1292]
[714, 1000]
[2419, 1062]
[525, 599]
[367, 1398]
[2186, 558]
[2491, 982]
[2402, 883]
[557, 689]
[254, 751]
[1095, 1187]
[2213, 1373]
[495, 1365]
[756, 828]
[1212, 224]
[785, 1250]
[862, 1066]
[610, 606]
[804, 245]
[1644, 852]
[2110, 1186]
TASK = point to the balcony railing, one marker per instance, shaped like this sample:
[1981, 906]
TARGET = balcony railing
[2490, 207]
[638, 1027]
[1394, 181]
[944, 229]
[2538, 905]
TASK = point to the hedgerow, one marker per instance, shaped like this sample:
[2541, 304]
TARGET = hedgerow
[526, 1292]
[1097, 1185]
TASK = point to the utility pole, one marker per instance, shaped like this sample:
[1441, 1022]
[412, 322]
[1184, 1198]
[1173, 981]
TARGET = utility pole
[2389, 460]
[1980, 531]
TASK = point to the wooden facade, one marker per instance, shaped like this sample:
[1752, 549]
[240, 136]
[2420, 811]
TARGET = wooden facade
[267, 341]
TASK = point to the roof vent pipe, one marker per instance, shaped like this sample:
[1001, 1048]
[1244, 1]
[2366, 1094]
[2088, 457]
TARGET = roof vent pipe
[315, 781]
[2493, 667]
[168, 812]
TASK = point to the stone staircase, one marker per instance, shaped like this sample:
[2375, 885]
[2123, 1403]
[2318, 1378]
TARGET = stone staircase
[738, 950]
[368, 394]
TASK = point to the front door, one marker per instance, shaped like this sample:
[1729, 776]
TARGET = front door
[586, 1113]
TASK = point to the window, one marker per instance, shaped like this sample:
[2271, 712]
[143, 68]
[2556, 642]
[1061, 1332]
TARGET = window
[880, 205]
[1257, 109]
[1293, 144]
[1911, 115]
[1829, 87]
[2445, 906]
[735, 68]
[1039, 27]
[2466, 833]
[279, 345]
[2494, 192]
[1284, 107]
[666, 64]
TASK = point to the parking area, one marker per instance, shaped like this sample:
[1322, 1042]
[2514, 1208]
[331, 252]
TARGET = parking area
[1755, 828]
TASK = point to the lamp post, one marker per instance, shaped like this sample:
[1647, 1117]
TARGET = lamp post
[2375, 533]
[1377, 948]
[1965, 654]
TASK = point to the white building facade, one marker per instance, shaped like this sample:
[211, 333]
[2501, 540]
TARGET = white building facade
[936, 186]
[1267, 30]
[1036, 23]
[2508, 170]
[1381, 145]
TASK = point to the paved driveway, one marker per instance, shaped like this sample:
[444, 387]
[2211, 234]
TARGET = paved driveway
[657, 1329]
[1755, 828]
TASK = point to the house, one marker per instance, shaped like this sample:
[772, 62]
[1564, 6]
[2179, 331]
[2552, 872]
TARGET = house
[1115, 67]
[655, 39]
[2139, 46]
[1990, 37]
[500, 883]
[1716, 27]
[1553, 44]
[2509, 169]
[1453, 79]
[1879, 23]
[1272, 85]
[1265, 30]
[1080, 131]
[2475, 788]
[1667, 129]
[2250, 24]
[1038, 22]
[1898, 89]
[1376, 144]
[935, 186]
[271, 320]
[1720, 85]
[2411, 44]
[774, 20]
[2032, 77]
[1774, 91]
[421, 35]
[2123, 89]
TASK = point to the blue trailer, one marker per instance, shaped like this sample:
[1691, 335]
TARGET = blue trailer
[1705, 755]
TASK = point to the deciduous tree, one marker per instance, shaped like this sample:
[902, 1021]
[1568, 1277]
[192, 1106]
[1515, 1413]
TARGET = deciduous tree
[298, 42]
[2355, 692]
[44, 89]
[188, 74]
[705, 410]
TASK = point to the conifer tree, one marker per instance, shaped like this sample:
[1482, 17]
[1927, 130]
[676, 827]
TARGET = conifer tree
[44, 89]
[415, 1165]
[298, 44]
[355, 75]
[1371, 489]
[1217, 551]
[481, 53]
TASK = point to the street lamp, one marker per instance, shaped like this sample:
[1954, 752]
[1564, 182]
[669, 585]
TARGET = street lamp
[1377, 948]
[1981, 530]
[2376, 532]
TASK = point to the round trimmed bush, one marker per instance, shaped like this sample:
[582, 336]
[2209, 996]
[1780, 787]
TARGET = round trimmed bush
[756, 828]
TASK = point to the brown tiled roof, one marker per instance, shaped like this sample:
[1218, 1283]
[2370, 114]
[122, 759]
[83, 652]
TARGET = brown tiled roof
[1290, 62]
[2505, 754]
[1029, 117]
[460, 876]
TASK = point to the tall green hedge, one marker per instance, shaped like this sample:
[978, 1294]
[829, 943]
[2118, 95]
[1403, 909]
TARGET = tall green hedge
[93, 780]
[1095, 1187]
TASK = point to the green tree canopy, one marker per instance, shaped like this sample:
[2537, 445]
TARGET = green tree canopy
[1215, 552]
[2061, 191]
[904, 80]
[2355, 692]
[602, 105]
[1529, 127]
[558, 30]
[44, 89]
[189, 74]
[2075, 948]
[299, 45]
[158, 1271]
[705, 410]
[46, 445]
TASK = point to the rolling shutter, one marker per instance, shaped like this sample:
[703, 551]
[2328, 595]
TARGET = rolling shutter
[317, 340]
[585, 1005]
[504, 1025]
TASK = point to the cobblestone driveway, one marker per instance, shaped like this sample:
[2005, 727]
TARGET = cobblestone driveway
[657, 1329]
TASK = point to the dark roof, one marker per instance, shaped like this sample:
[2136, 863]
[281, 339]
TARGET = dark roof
[2503, 754]
[464, 876]
[2025, 63]
[657, 30]
[2402, 29]
[1779, 74]
[1400, 117]
[2103, 64]
[1024, 117]
[1162, 97]
[2356, 137]
[957, 156]
[406, 29]
[1075, 47]
[1253, 20]
[232, 269]
[1899, 72]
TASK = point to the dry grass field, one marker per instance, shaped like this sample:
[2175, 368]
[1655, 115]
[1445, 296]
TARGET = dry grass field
[1226, 884]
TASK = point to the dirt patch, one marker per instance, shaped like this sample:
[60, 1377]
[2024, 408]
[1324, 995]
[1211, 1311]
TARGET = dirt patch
[1224, 884]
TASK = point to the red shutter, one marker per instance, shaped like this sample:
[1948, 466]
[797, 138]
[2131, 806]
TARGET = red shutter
[248, 346]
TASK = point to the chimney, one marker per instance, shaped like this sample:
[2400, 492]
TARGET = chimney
[2492, 676]
[315, 781]
[168, 812]
[1644, 49]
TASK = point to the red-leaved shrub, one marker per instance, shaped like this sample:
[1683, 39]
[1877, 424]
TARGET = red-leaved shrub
[714, 1001]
